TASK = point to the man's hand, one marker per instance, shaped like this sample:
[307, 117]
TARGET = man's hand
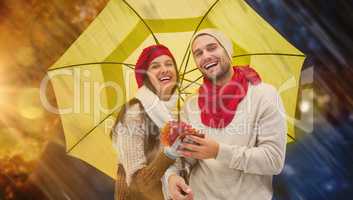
[178, 188]
[204, 148]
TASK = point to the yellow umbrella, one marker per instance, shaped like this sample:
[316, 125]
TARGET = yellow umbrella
[95, 75]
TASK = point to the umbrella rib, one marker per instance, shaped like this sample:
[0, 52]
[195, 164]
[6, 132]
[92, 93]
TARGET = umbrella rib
[186, 93]
[291, 137]
[181, 81]
[269, 54]
[196, 29]
[180, 90]
[183, 60]
[192, 82]
[205, 15]
[186, 64]
[191, 70]
[143, 21]
[89, 132]
[257, 54]
[188, 51]
[182, 98]
[93, 63]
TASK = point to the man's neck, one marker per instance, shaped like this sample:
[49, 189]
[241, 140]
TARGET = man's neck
[220, 81]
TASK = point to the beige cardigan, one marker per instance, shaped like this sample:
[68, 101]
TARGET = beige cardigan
[252, 149]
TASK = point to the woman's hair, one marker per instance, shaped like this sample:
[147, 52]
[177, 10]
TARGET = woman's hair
[121, 113]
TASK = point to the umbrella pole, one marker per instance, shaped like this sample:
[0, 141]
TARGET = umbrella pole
[178, 104]
[183, 172]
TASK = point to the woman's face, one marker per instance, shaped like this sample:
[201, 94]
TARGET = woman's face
[162, 75]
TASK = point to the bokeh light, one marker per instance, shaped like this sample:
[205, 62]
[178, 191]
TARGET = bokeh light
[304, 106]
[29, 104]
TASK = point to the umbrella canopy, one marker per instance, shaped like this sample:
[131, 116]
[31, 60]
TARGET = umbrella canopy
[95, 75]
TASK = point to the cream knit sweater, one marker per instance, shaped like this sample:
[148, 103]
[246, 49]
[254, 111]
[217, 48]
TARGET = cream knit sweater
[252, 148]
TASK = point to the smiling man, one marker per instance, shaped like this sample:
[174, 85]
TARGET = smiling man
[244, 123]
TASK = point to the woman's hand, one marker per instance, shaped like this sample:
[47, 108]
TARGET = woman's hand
[172, 151]
[203, 148]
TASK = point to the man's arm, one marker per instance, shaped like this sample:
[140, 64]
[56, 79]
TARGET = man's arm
[267, 158]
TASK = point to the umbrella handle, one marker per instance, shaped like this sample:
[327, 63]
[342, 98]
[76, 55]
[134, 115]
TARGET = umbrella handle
[184, 171]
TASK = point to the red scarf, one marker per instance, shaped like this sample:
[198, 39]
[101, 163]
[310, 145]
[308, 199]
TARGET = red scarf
[218, 104]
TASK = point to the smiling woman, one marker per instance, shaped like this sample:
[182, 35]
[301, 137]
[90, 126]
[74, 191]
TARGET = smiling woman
[162, 75]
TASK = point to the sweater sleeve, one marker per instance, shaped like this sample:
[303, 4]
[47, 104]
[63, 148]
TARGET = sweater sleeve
[148, 179]
[140, 175]
[267, 156]
[130, 146]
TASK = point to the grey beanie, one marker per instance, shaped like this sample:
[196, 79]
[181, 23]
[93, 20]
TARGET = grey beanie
[223, 40]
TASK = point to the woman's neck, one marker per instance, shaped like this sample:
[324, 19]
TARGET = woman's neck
[165, 97]
[166, 94]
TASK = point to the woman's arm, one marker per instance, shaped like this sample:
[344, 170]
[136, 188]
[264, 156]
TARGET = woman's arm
[140, 175]
[148, 179]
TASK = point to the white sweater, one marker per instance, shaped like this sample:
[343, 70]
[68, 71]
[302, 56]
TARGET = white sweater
[252, 148]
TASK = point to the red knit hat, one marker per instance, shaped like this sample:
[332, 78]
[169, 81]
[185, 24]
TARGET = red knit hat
[145, 59]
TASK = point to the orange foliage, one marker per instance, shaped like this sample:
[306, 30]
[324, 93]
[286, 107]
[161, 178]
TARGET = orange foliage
[173, 129]
[14, 179]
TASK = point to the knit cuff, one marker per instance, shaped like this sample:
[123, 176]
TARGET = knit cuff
[172, 170]
[168, 152]
[225, 154]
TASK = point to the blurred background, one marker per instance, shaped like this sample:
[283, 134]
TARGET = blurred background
[33, 162]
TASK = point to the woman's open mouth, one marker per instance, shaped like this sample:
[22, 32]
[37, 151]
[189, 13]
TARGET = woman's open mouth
[165, 79]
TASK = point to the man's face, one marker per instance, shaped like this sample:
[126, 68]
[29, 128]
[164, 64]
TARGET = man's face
[210, 57]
